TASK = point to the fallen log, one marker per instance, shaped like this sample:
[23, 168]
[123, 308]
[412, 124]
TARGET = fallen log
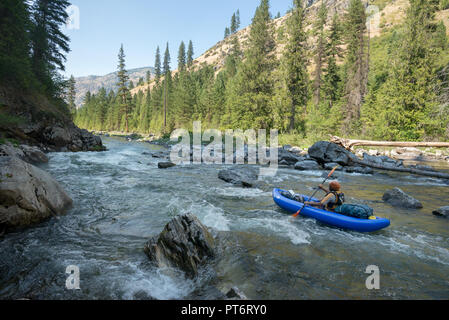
[433, 174]
[349, 144]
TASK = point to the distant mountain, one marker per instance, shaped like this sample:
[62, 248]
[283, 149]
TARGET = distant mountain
[109, 82]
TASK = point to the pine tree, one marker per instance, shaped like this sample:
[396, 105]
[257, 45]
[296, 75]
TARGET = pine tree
[319, 53]
[71, 94]
[356, 64]
[295, 63]
[182, 56]
[166, 65]
[190, 54]
[227, 32]
[250, 92]
[278, 15]
[237, 18]
[14, 42]
[233, 24]
[123, 91]
[407, 104]
[157, 65]
[148, 77]
[332, 79]
[49, 44]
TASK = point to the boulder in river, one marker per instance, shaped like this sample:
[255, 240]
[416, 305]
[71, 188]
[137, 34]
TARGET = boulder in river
[325, 152]
[235, 294]
[361, 170]
[26, 153]
[442, 212]
[308, 165]
[288, 158]
[398, 198]
[331, 165]
[28, 195]
[165, 165]
[245, 176]
[185, 243]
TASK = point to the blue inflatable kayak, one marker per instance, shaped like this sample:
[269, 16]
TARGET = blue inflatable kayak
[327, 217]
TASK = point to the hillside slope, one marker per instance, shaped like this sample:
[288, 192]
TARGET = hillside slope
[390, 14]
[109, 82]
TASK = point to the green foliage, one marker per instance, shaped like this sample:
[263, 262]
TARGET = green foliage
[397, 98]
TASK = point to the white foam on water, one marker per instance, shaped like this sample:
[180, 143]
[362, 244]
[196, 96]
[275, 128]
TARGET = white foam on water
[157, 284]
[240, 192]
[282, 227]
[208, 214]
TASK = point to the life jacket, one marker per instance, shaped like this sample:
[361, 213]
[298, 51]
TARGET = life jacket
[340, 199]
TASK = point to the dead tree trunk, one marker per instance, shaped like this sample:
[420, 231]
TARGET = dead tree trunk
[350, 144]
[433, 174]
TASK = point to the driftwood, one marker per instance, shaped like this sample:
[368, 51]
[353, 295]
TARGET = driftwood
[434, 174]
[350, 144]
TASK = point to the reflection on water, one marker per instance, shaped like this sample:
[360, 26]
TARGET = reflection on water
[121, 199]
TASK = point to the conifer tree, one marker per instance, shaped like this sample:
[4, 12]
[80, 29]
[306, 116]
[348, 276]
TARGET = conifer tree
[166, 65]
[356, 64]
[190, 54]
[157, 65]
[332, 79]
[233, 24]
[320, 48]
[123, 91]
[148, 77]
[237, 18]
[14, 42]
[295, 63]
[49, 44]
[227, 32]
[182, 56]
[71, 94]
[250, 93]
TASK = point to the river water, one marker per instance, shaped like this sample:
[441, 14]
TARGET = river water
[121, 200]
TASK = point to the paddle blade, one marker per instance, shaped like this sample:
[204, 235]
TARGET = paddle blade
[332, 172]
[297, 214]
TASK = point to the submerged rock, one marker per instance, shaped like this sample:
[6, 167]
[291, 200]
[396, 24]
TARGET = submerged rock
[398, 198]
[165, 165]
[236, 294]
[442, 212]
[28, 195]
[244, 176]
[185, 243]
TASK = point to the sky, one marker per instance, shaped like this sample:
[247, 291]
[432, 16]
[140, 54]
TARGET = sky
[142, 25]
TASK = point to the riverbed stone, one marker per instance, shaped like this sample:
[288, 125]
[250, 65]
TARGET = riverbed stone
[308, 165]
[235, 294]
[357, 169]
[289, 157]
[165, 165]
[185, 244]
[28, 195]
[245, 176]
[325, 152]
[331, 165]
[442, 212]
[398, 198]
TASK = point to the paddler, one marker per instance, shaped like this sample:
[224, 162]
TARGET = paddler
[333, 199]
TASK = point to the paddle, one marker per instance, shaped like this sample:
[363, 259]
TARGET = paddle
[324, 181]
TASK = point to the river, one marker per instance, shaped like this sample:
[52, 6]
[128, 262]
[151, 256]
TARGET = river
[121, 199]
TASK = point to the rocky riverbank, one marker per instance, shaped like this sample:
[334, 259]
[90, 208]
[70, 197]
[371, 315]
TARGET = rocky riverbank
[30, 127]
